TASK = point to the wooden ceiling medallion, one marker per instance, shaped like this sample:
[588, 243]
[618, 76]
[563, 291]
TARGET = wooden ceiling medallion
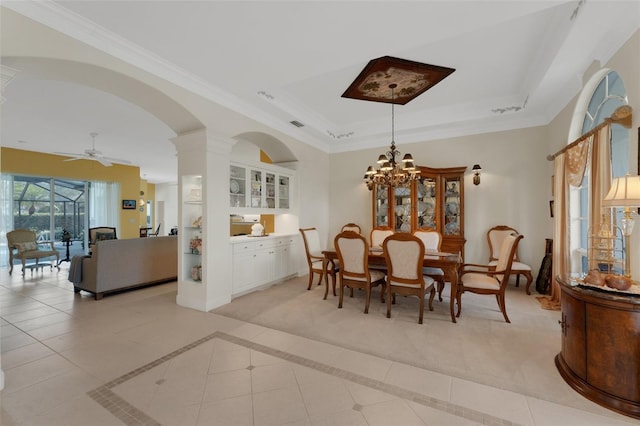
[412, 79]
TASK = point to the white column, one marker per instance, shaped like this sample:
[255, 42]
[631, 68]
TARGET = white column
[207, 155]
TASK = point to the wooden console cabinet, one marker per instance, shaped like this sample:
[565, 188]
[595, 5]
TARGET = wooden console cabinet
[600, 356]
[434, 201]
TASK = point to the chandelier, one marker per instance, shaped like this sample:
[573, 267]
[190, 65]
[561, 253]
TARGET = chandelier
[391, 171]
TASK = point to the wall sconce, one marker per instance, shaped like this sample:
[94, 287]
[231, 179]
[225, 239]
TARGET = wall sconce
[476, 174]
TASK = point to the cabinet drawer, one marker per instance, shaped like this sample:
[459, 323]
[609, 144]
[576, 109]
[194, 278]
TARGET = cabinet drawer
[253, 245]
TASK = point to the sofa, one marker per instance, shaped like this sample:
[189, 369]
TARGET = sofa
[116, 265]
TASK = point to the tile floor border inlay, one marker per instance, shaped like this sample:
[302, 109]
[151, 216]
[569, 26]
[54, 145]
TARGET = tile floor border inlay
[131, 415]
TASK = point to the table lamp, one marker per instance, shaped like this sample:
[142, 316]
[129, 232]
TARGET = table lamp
[625, 193]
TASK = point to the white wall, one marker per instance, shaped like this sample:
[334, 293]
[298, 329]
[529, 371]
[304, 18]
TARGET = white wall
[168, 193]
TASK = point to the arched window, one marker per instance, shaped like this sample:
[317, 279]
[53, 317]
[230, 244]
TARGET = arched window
[601, 96]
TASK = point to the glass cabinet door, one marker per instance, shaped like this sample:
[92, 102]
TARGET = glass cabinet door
[283, 192]
[425, 208]
[270, 187]
[237, 187]
[381, 206]
[452, 207]
[402, 209]
[256, 188]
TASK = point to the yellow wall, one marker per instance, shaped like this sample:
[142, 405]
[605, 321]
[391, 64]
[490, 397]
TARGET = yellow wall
[31, 163]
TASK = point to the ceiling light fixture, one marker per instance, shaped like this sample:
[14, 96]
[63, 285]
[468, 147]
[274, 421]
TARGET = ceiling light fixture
[391, 171]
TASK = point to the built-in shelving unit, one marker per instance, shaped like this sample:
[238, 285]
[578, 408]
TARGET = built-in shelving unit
[259, 189]
[192, 227]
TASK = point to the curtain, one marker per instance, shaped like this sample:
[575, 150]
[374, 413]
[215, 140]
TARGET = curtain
[569, 169]
[6, 215]
[576, 161]
[561, 256]
[104, 204]
[600, 177]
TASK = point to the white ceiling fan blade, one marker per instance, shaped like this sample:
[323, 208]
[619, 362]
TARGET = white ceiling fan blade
[102, 161]
[116, 160]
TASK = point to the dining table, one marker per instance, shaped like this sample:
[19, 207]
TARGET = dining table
[448, 262]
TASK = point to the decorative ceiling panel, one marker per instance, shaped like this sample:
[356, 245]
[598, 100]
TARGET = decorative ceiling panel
[412, 79]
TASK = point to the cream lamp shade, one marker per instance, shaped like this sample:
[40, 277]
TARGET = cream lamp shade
[624, 192]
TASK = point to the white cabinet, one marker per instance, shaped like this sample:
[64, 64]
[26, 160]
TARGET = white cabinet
[259, 188]
[265, 261]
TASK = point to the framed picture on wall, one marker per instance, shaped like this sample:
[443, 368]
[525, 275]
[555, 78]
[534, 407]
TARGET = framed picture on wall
[129, 204]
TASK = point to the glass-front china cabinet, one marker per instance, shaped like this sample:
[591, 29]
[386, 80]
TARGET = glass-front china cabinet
[434, 201]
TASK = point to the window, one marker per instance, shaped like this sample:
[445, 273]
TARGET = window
[602, 95]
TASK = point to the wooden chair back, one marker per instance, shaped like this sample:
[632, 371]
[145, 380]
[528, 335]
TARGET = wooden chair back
[430, 238]
[495, 237]
[378, 234]
[352, 227]
[404, 254]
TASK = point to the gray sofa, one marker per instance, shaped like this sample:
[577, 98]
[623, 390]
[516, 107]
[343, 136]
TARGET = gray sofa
[116, 265]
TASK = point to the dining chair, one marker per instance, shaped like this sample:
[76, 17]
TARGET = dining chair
[404, 254]
[485, 279]
[313, 251]
[432, 240]
[495, 236]
[378, 234]
[354, 272]
[352, 227]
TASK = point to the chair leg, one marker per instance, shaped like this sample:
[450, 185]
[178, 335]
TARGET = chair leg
[517, 280]
[529, 281]
[440, 288]
[431, 297]
[341, 295]
[367, 295]
[459, 300]
[503, 307]
[389, 298]
[310, 280]
[420, 316]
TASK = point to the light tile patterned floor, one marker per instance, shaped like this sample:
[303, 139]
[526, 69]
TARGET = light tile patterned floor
[137, 358]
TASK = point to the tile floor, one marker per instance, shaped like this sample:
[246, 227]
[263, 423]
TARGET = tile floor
[137, 358]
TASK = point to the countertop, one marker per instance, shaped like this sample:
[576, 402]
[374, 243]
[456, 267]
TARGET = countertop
[245, 238]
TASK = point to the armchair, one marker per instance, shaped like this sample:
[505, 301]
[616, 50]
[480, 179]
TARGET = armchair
[23, 245]
[495, 237]
[486, 279]
[101, 233]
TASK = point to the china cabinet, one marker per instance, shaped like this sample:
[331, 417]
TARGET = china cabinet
[253, 188]
[192, 228]
[434, 201]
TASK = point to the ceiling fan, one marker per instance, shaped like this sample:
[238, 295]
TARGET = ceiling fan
[93, 154]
